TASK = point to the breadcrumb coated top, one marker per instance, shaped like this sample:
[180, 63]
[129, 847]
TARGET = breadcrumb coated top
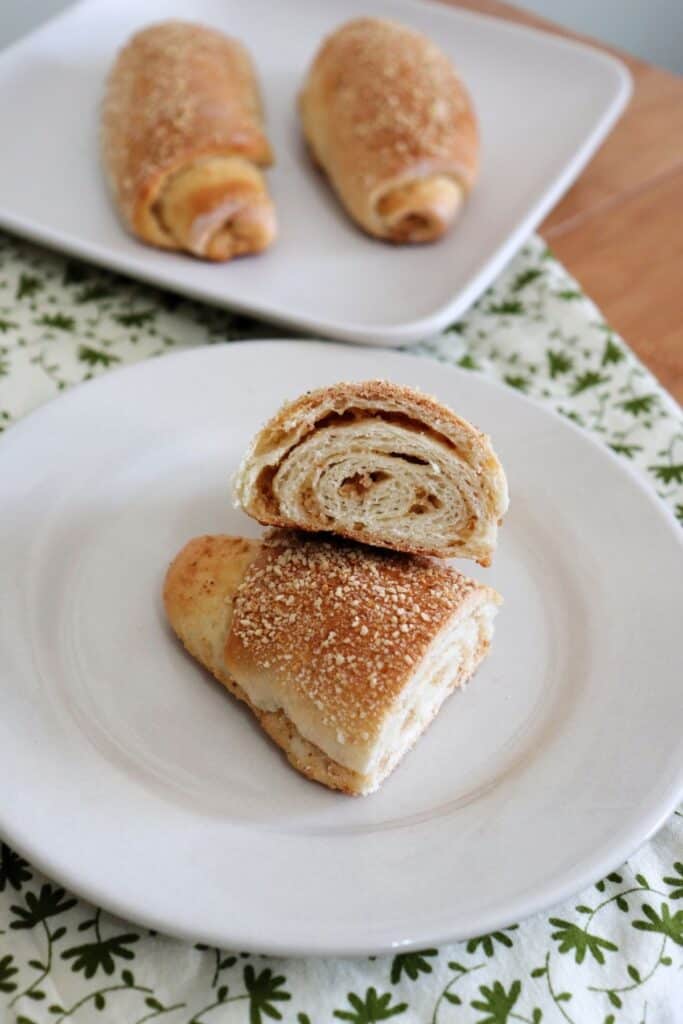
[343, 625]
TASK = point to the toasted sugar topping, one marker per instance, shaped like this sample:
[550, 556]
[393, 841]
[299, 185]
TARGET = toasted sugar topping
[176, 86]
[344, 625]
[373, 397]
[396, 92]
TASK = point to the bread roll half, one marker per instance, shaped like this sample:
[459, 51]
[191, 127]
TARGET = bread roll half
[378, 463]
[343, 653]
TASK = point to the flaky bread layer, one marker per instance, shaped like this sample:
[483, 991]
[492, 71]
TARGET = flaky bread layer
[216, 208]
[379, 463]
[418, 210]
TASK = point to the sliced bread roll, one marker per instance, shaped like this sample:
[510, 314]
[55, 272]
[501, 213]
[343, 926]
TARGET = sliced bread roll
[378, 463]
[343, 653]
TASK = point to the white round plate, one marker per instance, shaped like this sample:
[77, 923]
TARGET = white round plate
[140, 783]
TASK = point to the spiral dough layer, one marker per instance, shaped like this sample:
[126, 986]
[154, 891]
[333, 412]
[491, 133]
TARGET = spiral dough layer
[381, 464]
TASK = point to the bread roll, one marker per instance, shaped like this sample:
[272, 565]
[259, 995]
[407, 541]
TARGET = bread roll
[378, 463]
[393, 127]
[183, 142]
[344, 654]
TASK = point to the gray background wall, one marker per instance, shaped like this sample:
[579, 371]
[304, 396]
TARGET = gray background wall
[652, 29]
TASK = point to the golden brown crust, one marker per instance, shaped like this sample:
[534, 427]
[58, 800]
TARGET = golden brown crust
[301, 417]
[308, 759]
[178, 94]
[217, 208]
[302, 413]
[199, 593]
[314, 763]
[200, 584]
[341, 627]
[383, 107]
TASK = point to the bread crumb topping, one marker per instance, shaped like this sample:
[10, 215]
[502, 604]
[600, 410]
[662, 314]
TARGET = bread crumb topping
[364, 620]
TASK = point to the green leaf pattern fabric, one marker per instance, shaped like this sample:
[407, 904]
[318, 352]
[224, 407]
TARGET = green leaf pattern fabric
[612, 955]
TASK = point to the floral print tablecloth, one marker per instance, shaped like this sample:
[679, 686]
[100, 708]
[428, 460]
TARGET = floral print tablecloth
[612, 955]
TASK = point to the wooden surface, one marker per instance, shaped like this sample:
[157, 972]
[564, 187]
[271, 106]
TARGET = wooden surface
[619, 230]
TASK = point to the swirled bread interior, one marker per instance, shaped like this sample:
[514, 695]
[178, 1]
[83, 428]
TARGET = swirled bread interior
[378, 463]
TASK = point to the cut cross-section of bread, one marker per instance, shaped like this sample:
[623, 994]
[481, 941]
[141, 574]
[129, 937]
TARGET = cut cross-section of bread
[378, 463]
[344, 653]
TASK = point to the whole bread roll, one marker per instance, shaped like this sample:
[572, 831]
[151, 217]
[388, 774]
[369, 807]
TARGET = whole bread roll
[343, 653]
[379, 463]
[392, 125]
[183, 142]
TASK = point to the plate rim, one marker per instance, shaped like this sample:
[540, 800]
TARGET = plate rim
[169, 926]
[639, 830]
[388, 335]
